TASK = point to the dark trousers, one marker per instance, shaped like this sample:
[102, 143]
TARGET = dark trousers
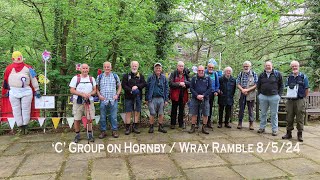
[242, 105]
[174, 108]
[211, 101]
[227, 115]
[295, 110]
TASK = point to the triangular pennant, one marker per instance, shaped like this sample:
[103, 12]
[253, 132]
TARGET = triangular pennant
[70, 121]
[84, 121]
[123, 116]
[55, 122]
[97, 118]
[41, 121]
[11, 122]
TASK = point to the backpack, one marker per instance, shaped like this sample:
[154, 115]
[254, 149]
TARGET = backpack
[206, 77]
[79, 79]
[129, 76]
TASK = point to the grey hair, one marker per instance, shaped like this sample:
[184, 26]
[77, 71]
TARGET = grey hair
[134, 62]
[85, 64]
[247, 63]
[180, 63]
[294, 62]
[107, 62]
[228, 68]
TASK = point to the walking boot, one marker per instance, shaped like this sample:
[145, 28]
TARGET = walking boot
[239, 125]
[90, 137]
[161, 129]
[102, 135]
[288, 135]
[135, 128]
[204, 131]
[227, 125]
[220, 125]
[150, 128]
[251, 125]
[77, 138]
[300, 136]
[192, 129]
[127, 132]
[209, 125]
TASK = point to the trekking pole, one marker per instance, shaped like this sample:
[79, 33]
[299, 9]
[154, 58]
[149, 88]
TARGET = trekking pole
[134, 112]
[200, 114]
[87, 107]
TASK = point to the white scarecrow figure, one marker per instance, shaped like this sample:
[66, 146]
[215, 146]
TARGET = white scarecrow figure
[20, 79]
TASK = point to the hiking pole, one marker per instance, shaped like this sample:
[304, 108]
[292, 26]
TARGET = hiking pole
[134, 113]
[87, 107]
[200, 113]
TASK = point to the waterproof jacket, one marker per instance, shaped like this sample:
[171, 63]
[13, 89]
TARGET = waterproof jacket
[129, 80]
[227, 90]
[151, 83]
[175, 89]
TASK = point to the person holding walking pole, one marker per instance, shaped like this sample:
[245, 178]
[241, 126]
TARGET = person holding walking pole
[83, 86]
[133, 83]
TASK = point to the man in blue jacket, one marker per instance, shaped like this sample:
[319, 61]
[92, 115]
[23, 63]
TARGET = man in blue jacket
[210, 72]
[201, 87]
[157, 96]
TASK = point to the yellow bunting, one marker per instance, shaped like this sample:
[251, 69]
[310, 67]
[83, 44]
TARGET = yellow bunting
[55, 122]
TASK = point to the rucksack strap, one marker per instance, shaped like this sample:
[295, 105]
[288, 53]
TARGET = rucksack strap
[79, 79]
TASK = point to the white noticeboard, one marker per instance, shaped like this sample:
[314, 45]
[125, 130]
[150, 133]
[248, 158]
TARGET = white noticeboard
[45, 102]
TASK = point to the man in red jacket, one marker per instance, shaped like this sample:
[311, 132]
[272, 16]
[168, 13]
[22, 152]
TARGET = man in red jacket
[179, 84]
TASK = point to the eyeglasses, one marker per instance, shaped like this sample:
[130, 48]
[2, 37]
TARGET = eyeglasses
[245, 66]
[210, 67]
[200, 70]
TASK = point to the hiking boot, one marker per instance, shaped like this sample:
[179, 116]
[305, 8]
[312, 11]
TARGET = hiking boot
[128, 131]
[239, 125]
[172, 126]
[288, 135]
[251, 125]
[274, 133]
[219, 125]
[227, 125]
[90, 137]
[261, 131]
[115, 134]
[151, 128]
[181, 125]
[300, 139]
[102, 135]
[204, 131]
[161, 129]
[209, 125]
[135, 128]
[192, 129]
[76, 138]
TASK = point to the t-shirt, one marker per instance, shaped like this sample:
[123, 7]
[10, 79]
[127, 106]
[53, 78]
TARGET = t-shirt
[84, 86]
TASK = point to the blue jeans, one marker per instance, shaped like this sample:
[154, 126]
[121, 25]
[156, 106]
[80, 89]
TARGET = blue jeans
[112, 110]
[265, 102]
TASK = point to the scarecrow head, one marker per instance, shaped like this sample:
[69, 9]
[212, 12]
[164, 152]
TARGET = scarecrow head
[17, 57]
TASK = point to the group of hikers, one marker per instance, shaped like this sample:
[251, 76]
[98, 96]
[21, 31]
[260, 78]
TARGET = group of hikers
[206, 84]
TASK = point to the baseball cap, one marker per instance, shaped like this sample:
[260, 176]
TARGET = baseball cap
[157, 64]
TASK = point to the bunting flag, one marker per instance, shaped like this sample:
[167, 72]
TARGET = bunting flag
[11, 122]
[55, 122]
[84, 121]
[41, 121]
[70, 121]
[97, 118]
[123, 116]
